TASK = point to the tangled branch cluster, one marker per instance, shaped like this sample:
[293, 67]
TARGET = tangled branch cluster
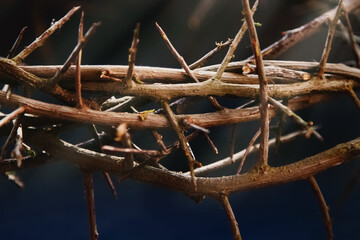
[274, 89]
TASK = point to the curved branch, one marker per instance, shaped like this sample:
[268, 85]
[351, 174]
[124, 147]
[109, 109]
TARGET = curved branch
[226, 116]
[214, 186]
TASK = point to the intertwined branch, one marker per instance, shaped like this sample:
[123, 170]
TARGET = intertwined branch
[294, 85]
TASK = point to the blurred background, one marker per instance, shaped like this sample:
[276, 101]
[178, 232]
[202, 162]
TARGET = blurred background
[52, 204]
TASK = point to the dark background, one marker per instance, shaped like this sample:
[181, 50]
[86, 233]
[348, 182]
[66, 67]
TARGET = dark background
[52, 204]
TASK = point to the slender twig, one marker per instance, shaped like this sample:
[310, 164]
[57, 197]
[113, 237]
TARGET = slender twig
[184, 65]
[16, 43]
[178, 57]
[264, 115]
[89, 190]
[323, 207]
[183, 142]
[123, 136]
[159, 140]
[110, 184]
[354, 97]
[201, 62]
[78, 63]
[296, 118]
[353, 43]
[224, 200]
[130, 150]
[239, 155]
[232, 141]
[75, 53]
[11, 115]
[327, 47]
[233, 46]
[19, 145]
[39, 41]
[96, 137]
[280, 125]
[11, 136]
[291, 37]
[214, 148]
[186, 123]
[177, 145]
[132, 55]
[250, 146]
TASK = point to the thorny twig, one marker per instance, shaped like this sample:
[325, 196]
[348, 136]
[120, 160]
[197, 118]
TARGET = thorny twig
[333, 22]
[224, 200]
[132, 56]
[232, 141]
[323, 207]
[55, 79]
[213, 147]
[307, 125]
[11, 136]
[294, 36]
[11, 115]
[39, 41]
[202, 61]
[233, 46]
[280, 125]
[16, 43]
[354, 97]
[264, 115]
[78, 63]
[250, 146]
[89, 191]
[183, 142]
[184, 65]
[239, 155]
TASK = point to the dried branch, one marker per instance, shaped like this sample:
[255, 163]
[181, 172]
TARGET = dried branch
[233, 46]
[132, 56]
[328, 42]
[206, 120]
[264, 115]
[89, 190]
[169, 75]
[294, 36]
[323, 206]
[224, 200]
[39, 41]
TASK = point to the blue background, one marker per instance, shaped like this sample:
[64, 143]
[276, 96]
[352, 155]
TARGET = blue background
[52, 204]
